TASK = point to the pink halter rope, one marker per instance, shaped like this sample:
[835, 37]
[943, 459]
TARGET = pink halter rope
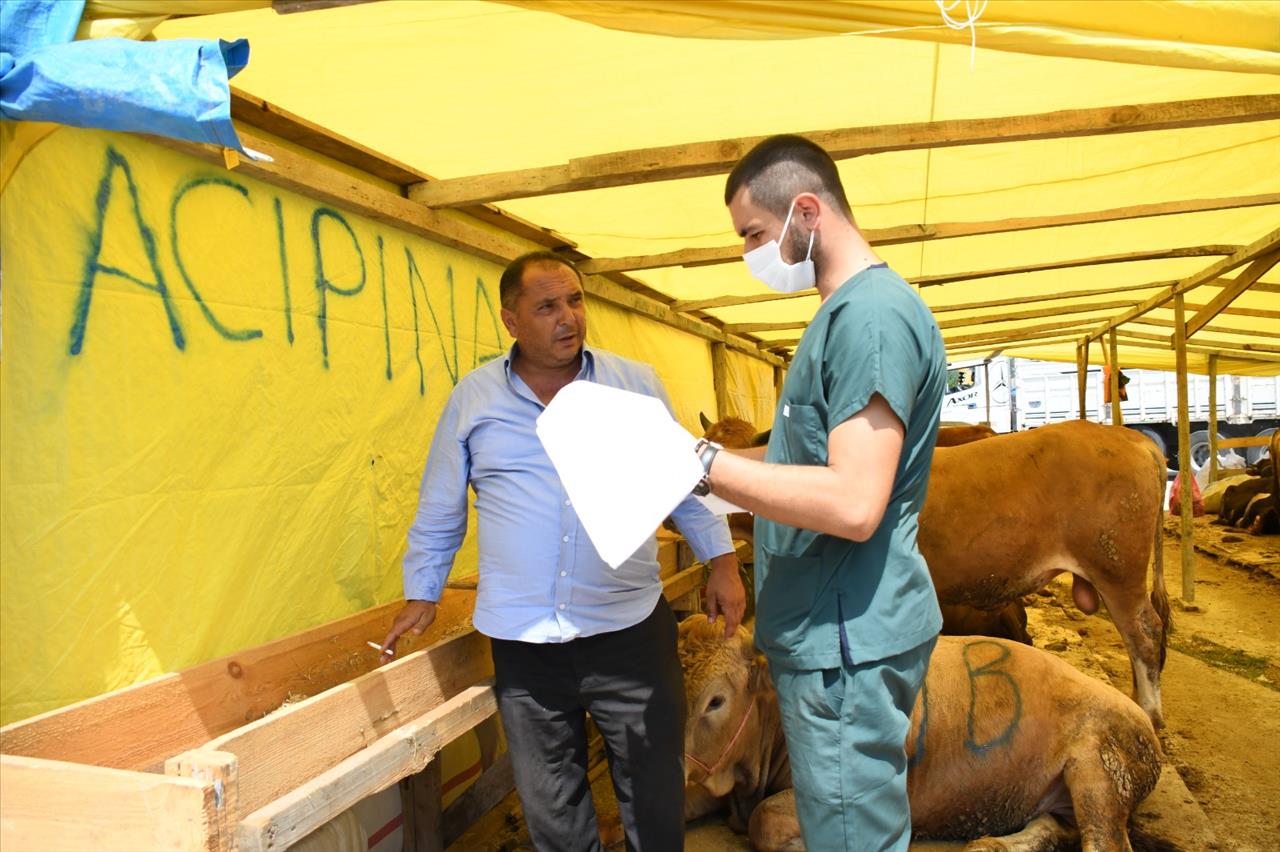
[742, 726]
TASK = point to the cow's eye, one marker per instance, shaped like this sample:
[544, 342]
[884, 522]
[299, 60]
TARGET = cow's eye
[715, 703]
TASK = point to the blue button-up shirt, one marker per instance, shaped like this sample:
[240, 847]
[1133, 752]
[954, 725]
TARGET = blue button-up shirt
[541, 579]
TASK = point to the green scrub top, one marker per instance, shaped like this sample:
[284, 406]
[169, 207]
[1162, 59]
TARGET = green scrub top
[822, 600]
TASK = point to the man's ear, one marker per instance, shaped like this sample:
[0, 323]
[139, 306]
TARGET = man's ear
[808, 210]
[509, 321]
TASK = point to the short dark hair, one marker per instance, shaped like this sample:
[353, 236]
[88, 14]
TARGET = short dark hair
[513, 275]
[780, 168]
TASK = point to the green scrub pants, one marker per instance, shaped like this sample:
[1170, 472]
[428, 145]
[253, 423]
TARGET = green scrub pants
[846, 730]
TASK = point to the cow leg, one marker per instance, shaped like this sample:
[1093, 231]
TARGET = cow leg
[774, 825]
[1042, 834]
[1102, 790]
[1141, 628]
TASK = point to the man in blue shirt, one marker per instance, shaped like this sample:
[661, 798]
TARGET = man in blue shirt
[846, 612]
[569, 634]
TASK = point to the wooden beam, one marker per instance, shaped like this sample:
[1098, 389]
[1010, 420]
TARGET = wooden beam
[1234, 346]
[51, 804]
[1113, 381]
[1213, 418]
[698, 159]
[689, 305]
[1235, 443]
[1229, 294]
[1127, 257]
[1082, 373]
[720, 379]
[401, 752]
[1184, 450]
[1262, 246]
[1037, 313]
[901, 234]
[984, 347]
[220, 769]
[1044, 329]
[140, 726]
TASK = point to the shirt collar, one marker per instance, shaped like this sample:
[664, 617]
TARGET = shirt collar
[586, 373]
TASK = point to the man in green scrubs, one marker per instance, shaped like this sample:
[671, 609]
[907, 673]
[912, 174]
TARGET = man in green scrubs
[847, 614]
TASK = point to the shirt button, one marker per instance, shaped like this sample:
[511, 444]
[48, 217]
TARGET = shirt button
[564, 538]
[567, 502]
[562, 606]
[564, 573]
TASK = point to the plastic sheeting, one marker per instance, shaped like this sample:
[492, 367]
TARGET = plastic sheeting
[175, 88]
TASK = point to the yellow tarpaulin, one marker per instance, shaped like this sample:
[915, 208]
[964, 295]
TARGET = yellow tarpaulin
[213, 422]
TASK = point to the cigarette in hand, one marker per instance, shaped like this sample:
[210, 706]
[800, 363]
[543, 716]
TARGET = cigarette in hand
[375, 646]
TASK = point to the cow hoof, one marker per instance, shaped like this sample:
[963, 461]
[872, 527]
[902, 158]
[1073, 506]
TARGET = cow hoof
[986, 844]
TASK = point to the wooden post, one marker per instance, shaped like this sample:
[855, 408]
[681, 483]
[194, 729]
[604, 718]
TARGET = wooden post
[221, 769]
[779, 376]
[1213, 418]
[986, 383]
[1184, 449]
[1117, 417]
[720, 380]
[1082, 375]
[423, 824]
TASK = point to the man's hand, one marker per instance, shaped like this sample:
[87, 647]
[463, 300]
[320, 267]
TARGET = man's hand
[415, 617]
[725, 595]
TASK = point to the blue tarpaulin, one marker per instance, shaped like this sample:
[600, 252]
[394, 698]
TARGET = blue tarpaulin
[171, 88]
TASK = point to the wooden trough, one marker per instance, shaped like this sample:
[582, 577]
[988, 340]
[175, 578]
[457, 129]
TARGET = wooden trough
[198, 760]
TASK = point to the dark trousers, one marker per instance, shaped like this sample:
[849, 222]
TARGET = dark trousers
[631, 683]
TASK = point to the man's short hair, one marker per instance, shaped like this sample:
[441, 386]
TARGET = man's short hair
[782, 167]
[513, 275]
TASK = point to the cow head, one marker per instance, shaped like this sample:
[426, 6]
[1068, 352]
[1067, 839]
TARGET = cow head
[732, 432]
[723, 679]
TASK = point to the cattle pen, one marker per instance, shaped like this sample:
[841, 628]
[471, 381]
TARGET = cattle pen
[223, 360]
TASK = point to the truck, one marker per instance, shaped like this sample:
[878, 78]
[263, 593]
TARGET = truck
[1012, 394]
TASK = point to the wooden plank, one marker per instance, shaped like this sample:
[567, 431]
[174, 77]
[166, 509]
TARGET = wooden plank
[1100, 260]
[52, 805]
[1082, 374]
[1035, 313]
[406, 749]
[1229, 294]
[299, 742]
[1262, 246]
[698, 159]
[985, 348]
[1213, 418]
[720, 379]
[901, 234]
[322, 182]
[140, 726]
[1251, 441]
[690, 305]
[1023, 333]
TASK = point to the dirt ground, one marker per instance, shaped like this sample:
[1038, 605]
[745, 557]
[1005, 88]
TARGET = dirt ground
[1221, 699]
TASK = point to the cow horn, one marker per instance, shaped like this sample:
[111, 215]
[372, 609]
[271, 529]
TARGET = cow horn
[706, 424]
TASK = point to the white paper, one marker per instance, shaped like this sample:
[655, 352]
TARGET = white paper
[623, 460]
[719, 505]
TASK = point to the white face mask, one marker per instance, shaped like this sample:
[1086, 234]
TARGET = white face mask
[766, 264]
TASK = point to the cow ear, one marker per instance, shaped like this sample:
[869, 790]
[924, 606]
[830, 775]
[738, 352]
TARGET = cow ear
[706, 423]
[761, 438]
[758, 674]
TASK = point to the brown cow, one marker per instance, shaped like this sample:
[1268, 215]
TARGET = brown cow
[954, 436]
[1005, 515]
[1004, 740]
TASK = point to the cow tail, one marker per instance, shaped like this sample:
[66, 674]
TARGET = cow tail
[1159, 596]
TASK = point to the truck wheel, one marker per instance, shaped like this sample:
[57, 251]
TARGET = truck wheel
[1200, 449]
[1253, 455]
[1157, 440]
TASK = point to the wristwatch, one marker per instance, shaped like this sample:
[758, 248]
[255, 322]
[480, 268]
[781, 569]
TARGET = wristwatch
[706, 452]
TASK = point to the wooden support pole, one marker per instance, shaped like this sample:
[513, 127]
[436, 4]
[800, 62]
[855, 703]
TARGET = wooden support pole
[423, 817]
[1082, 374]
[1213, 416]
[1184, 451]
[720, 379]
[1117, 416]
[986, 385]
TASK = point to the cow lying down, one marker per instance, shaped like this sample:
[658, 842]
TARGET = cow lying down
[1020, 751]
